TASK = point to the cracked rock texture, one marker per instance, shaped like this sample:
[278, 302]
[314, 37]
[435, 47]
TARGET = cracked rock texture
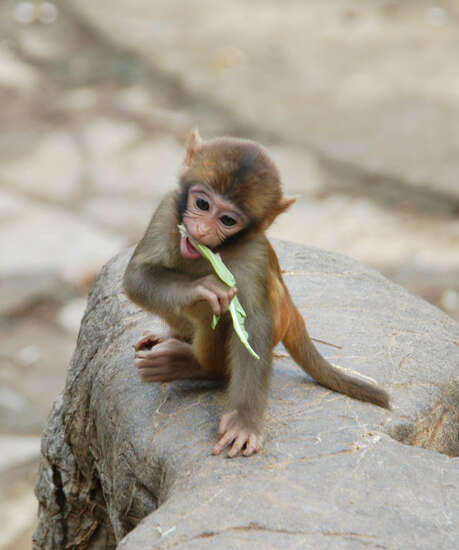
[334, 473]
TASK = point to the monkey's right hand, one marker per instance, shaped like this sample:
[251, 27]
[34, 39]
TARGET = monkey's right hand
[214, 291]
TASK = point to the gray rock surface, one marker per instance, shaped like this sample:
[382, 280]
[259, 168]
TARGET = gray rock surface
[373, 84]
[332, 475]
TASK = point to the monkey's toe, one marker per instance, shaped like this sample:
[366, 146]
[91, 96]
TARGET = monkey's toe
[148, 341]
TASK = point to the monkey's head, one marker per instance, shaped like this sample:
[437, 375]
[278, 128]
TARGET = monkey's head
[230, 189]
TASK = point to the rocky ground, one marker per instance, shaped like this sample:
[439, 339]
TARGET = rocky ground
[357, 102]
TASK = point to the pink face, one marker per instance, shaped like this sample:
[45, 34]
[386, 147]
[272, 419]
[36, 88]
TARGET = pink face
[209, 219]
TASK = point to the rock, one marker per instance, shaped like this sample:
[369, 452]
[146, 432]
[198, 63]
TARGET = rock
[18, 462]
[22, 291]
[15, 74]
[40, 46]
[34, 354]
[141, 102]
[334, 472]
[104, 136]
[11, 206]
[52, 171]
[79, 99]
[313, 74]
[120, 214]
[146, 170]
[71, 314]
[300, 171]
[18, 510]
[384, 238]
[63, 244]
[17, 450]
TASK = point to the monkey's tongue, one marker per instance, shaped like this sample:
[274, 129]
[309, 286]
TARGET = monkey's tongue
[187, 249]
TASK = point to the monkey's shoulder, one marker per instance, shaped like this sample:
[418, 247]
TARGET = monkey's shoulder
[161, 236]
[250, 264]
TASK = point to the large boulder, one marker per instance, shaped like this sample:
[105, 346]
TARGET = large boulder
[128, 465]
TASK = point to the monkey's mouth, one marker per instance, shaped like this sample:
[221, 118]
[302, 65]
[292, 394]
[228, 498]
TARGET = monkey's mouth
[187, 249]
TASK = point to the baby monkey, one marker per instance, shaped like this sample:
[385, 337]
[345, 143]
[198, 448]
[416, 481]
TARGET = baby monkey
[229, 193]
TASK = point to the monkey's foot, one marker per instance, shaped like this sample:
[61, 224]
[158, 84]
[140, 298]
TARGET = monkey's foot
[232, 430]
[148, 341]
[165, 359]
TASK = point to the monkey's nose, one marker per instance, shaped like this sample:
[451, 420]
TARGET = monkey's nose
[203, 231]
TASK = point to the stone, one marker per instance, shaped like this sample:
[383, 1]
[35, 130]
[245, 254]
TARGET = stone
[128, 216]
[70, 315]
[146, 170]
[18, 514]
[35, 352]
[64, 244]
[104, 136]
[300, 171]
[17, 450]
[313, 74]
[18, 462]
[128, 465]
[383, 238]
[16, 74]
[52, 171]
[38, 45]
[20, 292]
[78, 99]
[11, 206]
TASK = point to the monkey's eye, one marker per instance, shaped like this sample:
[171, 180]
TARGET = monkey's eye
[202, 204]
[228, 221]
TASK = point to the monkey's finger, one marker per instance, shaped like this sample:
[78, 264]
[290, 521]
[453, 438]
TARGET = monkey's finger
[224, 442]
[157, 362]
[224, 302]
[152, 353]
[241, 440]
[212, 298]
[229, 295]
[225, 421]
[253, 445]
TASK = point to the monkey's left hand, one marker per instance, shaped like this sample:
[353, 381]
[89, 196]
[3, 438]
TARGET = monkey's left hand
[232, 430]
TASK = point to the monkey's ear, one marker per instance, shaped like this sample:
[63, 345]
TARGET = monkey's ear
[284, 204]
[194, 145]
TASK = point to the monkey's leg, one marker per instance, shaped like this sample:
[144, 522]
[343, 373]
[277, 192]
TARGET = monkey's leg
[149, 340]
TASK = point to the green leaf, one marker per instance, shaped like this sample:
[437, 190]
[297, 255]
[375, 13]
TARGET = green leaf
[238, 314]
[236, 310]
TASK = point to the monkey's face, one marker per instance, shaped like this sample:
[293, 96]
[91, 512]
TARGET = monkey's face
[210, 219]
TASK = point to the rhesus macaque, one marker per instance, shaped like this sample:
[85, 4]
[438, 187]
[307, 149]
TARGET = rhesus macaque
[229, 193]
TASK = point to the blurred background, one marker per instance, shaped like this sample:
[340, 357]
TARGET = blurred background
[357, 101]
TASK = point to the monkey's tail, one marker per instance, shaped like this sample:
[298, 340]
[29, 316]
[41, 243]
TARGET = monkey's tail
[347, 381]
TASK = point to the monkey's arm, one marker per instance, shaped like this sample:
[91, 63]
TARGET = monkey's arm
[249, 381]
[154, 287]
[163, 290]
